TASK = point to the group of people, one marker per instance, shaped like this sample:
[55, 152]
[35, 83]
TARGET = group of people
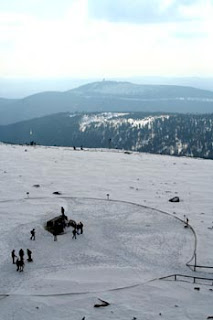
[81, 147]
[78, 229]
[19, 261]
[63, 222]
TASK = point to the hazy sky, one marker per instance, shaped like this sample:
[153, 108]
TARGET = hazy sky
[106, 38]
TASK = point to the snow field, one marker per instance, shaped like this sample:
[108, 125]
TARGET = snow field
[124, 248]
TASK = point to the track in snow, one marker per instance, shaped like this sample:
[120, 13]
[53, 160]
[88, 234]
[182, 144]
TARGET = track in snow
[123, 244]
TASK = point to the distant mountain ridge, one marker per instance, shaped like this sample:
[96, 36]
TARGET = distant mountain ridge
[108, 96]
[172, 134]
[143, 91]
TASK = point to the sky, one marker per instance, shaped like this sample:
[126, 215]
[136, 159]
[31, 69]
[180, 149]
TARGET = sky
[107, 38]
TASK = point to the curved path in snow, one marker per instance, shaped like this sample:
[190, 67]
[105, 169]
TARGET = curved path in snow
[124, 244]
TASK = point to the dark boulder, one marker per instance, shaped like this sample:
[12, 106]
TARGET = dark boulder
[174, 199]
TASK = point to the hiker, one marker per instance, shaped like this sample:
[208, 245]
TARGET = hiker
[17, 264]
[20, 265]
[74, 233]
[13, 255]
[62, 211]
[32, 234]
[21, 254]
[29, 254]
[80, 227]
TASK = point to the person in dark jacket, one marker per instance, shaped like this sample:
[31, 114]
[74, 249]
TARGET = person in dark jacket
[20, 265]
[21, 254]
[80, 227]
[32, 234]
[29, 254]
[13, 255]
[74, 233]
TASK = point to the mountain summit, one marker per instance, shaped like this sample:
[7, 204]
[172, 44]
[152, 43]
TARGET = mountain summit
[143, 90]
[108, 96]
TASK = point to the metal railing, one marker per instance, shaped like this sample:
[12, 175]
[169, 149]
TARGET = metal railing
[180, 277]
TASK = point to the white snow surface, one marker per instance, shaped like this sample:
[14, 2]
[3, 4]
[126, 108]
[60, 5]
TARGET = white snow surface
[130, 240]
[117, 120]
[101, 119]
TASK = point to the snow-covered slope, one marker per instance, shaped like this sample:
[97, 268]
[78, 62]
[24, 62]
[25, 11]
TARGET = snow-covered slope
[129, 241]
[115, 120]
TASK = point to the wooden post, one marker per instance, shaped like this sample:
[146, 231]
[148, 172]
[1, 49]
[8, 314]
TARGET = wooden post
[195, 262]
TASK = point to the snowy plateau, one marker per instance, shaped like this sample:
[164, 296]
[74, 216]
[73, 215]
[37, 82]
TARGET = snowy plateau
[135, 242]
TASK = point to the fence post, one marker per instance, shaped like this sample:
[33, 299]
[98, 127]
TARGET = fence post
[195, 262]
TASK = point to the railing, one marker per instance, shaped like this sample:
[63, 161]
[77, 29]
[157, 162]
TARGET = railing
[197, 266]
[204, 267]
[177, 277]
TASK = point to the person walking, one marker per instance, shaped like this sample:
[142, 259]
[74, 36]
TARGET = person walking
[74, 233]
[13, 255]
[80, 226]
[32, 234]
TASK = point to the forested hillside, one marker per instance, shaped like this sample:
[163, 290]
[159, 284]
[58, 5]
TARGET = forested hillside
[173, 134]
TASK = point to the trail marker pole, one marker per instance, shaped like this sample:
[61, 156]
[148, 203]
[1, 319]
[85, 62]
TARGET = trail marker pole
[195, 262]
